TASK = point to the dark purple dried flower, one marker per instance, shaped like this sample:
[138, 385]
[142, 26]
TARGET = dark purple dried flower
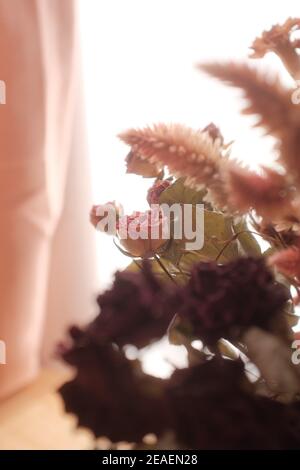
[110, 395]
[136, 310]
[214, 409]
[223, 300]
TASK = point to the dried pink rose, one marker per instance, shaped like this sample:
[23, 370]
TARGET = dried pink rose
[143, 233]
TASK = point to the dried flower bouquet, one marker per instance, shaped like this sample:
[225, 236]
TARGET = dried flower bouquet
[241, 389]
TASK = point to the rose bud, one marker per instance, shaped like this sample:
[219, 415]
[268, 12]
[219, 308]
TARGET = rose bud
[104, 217]
[156, 189]
[214, 132]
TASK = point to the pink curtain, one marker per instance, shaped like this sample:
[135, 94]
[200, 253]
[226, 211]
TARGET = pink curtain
[47, 269]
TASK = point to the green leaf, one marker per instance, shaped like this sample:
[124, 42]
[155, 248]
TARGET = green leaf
[270, 251]
[217, 229]
[179, 277]
[173, 252]
[247, 241]
[218, 233]
[181, 194]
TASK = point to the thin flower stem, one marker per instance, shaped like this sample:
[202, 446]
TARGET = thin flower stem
[236, 235]
[281, 240]
[164, 269]
[137, 264]
[277, 235]
[253, 221]
[266, 237]
[180, 271]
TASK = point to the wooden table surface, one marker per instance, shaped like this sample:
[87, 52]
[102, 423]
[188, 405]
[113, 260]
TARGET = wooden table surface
[33, 419]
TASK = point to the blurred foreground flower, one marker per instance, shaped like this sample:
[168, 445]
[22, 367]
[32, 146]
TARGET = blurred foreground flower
[110, 395]
[223, 301]
[136, 310]
[215, 409]
[272, 103]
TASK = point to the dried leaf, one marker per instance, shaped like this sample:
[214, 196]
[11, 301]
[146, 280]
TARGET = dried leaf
[247, 241]
[137, 166]
[179, 193]
[179, 277]
[278, 40]
[218, 232]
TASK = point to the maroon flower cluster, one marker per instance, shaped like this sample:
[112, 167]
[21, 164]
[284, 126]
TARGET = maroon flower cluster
[214, 409]
[223, 300]
[136, 310]
[207, 406]
[110, 395]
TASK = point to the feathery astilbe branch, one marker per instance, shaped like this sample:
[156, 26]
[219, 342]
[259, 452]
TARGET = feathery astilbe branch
[186, 152]
[273, 103]
[268, 193]
[278, 40]
[289, 148]
[270, 100]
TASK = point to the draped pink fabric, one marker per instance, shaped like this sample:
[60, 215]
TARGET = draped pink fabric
[45, 242]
